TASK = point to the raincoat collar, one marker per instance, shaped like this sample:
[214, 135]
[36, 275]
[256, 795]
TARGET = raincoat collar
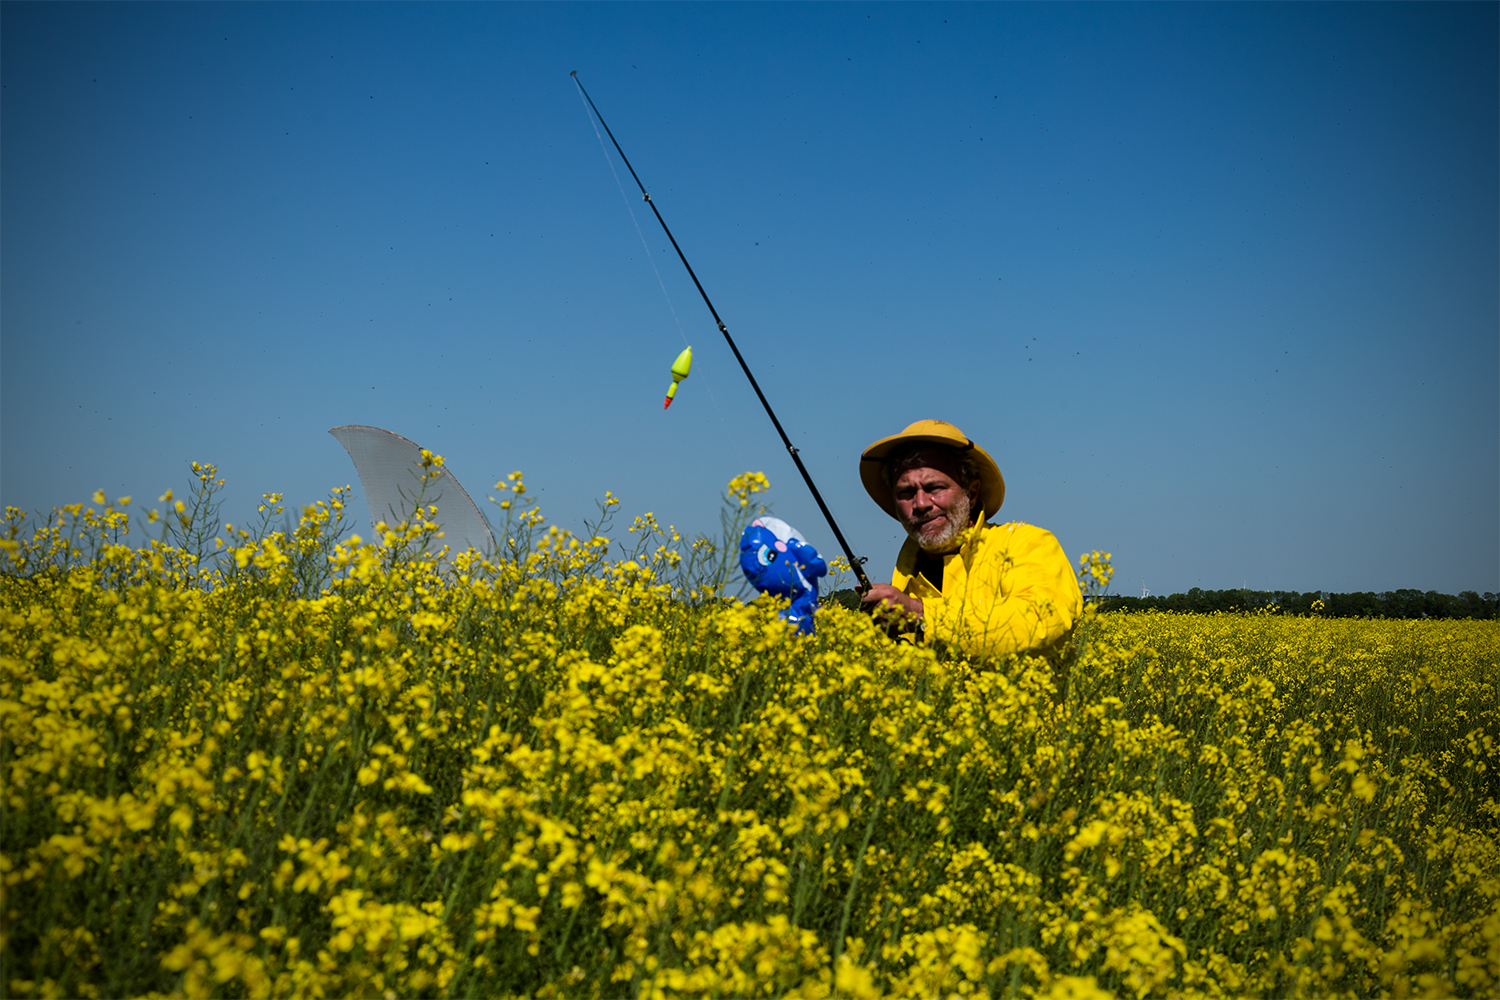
[906, 560]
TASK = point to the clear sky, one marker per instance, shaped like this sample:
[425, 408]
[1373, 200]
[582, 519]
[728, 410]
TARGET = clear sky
[1216, 284]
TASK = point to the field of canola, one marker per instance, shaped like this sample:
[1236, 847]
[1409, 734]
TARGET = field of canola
[324, 769]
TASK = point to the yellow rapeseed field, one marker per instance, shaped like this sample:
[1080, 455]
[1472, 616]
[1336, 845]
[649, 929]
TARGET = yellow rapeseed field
[295, 765]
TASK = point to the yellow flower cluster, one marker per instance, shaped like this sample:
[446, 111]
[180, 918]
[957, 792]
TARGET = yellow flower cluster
[746, 485]
[323, 767]
[1095, 572]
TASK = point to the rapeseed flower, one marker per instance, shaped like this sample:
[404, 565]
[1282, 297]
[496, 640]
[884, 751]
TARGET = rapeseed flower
[299, 763]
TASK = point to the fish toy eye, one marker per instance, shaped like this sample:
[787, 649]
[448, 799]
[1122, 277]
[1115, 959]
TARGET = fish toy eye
[766, 555]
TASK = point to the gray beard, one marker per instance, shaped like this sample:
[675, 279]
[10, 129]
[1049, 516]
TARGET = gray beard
[958, 523]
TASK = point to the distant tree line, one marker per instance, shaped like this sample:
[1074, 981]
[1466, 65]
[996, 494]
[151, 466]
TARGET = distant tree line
[1390, 604]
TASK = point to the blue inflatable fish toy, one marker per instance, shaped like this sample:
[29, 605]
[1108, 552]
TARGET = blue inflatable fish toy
[777, 560]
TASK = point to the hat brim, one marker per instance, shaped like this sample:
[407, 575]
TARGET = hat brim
[872, 469]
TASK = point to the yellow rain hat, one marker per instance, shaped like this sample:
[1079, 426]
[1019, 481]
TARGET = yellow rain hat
[871, 462]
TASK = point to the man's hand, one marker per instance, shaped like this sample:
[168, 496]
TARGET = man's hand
[887, 604]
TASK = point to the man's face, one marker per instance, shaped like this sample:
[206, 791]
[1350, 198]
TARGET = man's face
[934, 508]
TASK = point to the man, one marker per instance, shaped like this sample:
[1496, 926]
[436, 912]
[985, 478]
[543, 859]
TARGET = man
[983, 589]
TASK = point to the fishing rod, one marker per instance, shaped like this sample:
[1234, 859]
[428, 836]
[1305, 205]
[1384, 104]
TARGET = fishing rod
[856, 563]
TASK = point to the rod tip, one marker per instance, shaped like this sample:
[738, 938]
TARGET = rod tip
[573, 73]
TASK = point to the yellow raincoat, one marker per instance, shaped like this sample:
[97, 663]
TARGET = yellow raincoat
[1008, 588]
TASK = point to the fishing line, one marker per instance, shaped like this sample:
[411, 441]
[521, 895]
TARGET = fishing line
[855, 562]
[707, 381]
[650, 259]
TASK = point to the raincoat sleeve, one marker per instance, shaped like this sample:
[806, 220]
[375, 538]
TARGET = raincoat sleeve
[1010, 590]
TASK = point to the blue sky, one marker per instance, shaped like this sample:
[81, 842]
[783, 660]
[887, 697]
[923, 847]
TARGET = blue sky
[1216, 284]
